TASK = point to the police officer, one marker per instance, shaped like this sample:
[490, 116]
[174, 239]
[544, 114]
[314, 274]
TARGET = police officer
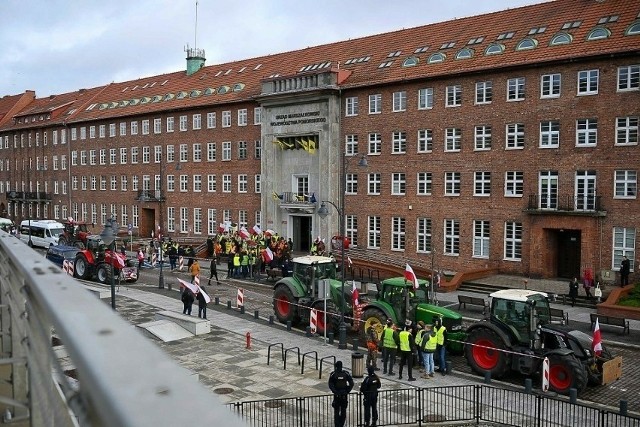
[340, 383]
[389, 347]
[407, 345]
[369, 388]
[441, 332]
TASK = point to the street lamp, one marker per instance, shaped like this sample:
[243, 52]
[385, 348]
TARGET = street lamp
[108, 237]
[323, 212]
[160, 198]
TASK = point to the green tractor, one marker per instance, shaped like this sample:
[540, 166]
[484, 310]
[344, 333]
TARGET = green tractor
[296, 295]
[399, 301]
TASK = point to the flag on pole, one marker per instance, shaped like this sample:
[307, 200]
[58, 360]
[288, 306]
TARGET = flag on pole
[350, 262]
[411, 276]
[355, 294]
[597, 339]
[243, 233]
[267, 255]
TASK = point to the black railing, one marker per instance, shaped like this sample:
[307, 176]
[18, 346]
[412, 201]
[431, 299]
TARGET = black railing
[565, 203]
[31, 196]
[289, 197]
[473, 404]
[150, 196]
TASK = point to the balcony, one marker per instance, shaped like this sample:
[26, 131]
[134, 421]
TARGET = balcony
[150, 196]
[296, 202]
[566, 205]
[26, 196]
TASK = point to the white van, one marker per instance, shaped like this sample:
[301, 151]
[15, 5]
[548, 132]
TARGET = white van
[44, 232]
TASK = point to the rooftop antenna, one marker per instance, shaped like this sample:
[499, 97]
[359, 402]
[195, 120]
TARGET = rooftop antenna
[195, 56]
[195, 36]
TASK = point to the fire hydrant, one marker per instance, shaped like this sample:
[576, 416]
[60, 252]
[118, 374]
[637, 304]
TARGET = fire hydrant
[248, 336]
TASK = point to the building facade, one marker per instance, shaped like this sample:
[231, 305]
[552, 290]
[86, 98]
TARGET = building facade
[507, 140]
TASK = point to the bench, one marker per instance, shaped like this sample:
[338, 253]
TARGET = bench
[463, 300]
[558, 313]
[195, 325]
[610, 320]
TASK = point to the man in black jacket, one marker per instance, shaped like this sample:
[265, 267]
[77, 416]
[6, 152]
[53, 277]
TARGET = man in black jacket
[340, 383]
[369, 388]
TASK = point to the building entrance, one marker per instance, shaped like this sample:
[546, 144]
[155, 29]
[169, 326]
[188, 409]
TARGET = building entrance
[569, 253]
[302, 228]
[147, 221]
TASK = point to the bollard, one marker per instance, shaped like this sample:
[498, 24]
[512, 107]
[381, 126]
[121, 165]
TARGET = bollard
[271, 320]
[308, 331]
[487, 377]
[623, 408]
[228, 305]
[528, 385]
[355, 345]
[248, 336]
[217, 300]
[256, 315]
[288, 325]
[449, 367]
[573, 396]
[330, 336]
[242, 309]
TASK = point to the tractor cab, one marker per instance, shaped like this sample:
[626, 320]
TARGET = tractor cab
[520, 312]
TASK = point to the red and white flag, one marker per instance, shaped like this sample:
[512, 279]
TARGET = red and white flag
[597, 339]
[355, 294]
[269, 232]
[350, 262]
[411, 276]
[244, 233]
[267, 255]
[256, 230]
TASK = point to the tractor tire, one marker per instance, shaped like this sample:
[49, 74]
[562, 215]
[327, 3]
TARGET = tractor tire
[565, 373]
[78, 244]
[104, 273]
[373, 317]
[483, 353]
[81, 268]
[62, 241]
[331, 320]
[285, 305]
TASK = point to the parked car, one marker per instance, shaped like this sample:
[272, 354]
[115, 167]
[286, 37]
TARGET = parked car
[57, 254]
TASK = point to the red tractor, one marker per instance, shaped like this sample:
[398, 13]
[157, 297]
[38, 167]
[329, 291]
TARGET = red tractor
[97, 262]
[75, 234]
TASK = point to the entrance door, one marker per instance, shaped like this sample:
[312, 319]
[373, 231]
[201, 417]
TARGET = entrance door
[301, 233]
[147, 221]
[569, 254]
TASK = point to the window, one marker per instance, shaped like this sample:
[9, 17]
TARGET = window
[373, 232]
[197, 152]
[242, 117]
[170, 124]
[494, 49]
[184, 183]
[134, 155]
[398, 184]
[454, 96]
[171, 154]
[257, 150]
[375, 104]
[482, 138]
[624, 243]
[183, 123]
[481, 239]
[226, 151]
[134, 127]
[112, 130]
[549, 134]
[527, 44]
[145, 127]
[74, 135]
[257, 115]
[513, 184]
[482, 183]
[425, 140]
[627, 131]
[83, 134]
[211, 184]
[211, 151]
[599, 33]
[548, 183]
[585, 192]
[157, 125]
[423, 235]
[484, 92]
[588, 82]
[351, 106]
[586, 132]
[451, 237]
[515, 89]
[243, 183]
[184, 152]
[397, 233]
[196, 121]
[399, 101]
[452, 183]
[513, 241]
[375, 143]
[436, 57]
[634, 29]
[123, 129]
[374, 183]
[351, 145]
[399, 142]
[626, 184]
[453, 140]
[560, 39]
[257, 182]
[550, 86]
[351, 184]
[629, 78]
[243, 150]
[464, 53]
[514, 136]
[123, 155]
[424, 183]
[211, 120]
[226, 119]
[425, 98]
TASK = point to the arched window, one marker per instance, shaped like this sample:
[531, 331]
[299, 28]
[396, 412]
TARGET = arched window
[209, 91]
[181, 95]
[599, 33]
[527, 44]
[494, 49]
[238, 87]
[634, 29]
[223, 89]
[464, 53]
[411, 61]
[436, 57]
[195, 93]
[561, 38]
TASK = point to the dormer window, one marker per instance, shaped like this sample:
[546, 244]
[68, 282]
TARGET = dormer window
[494, 49]
[209, 91]
[436, 58]
[634, 29]
[181, 95]
[411, 61]
[561, 38]
[599, 33]
[465, 53]
[238, 87]
[527, 44]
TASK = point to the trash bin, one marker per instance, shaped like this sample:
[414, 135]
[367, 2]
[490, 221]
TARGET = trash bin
[357, 364]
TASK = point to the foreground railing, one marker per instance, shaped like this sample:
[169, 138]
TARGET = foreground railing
[123, 379]
[468, 404]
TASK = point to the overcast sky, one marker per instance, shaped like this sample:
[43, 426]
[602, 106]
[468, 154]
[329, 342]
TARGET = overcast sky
[58, 46]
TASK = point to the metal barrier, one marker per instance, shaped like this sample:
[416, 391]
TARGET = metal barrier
[123, 379]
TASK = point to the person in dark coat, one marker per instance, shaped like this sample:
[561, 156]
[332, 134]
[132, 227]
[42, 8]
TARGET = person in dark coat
[341, 384]
[574, 287]
[187, 301]
[369, 389]
[625, 268]
[213, 270]
[202, 305]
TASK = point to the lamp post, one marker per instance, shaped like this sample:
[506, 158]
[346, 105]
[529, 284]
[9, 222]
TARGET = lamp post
[108, 237]
[160, 197]
[323, 212]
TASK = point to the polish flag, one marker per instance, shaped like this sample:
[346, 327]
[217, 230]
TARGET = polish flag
[256, 230]
[411, 276]
[350, 262]
[355, 295]
[267, 255]
[269, 232]
[244, 233]
[597, 339]
[207, 298]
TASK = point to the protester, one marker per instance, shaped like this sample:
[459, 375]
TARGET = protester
[202, 305]
[187, 301]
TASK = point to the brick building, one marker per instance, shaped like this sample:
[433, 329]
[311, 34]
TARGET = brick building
[507, 140]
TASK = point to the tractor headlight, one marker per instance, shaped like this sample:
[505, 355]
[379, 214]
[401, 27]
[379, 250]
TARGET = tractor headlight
[456, 328]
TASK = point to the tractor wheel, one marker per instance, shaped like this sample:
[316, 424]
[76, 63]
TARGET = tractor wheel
[62, 241]
[78, 244]
[373, 317]
[565, 373]
[284, 305]
[81, 268]
[329, 320]
[483, 353]
[104, 273]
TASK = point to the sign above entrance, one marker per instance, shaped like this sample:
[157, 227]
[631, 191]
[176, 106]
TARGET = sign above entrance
[298, 118]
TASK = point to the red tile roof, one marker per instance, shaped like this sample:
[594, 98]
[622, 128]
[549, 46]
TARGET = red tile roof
[551, 15]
